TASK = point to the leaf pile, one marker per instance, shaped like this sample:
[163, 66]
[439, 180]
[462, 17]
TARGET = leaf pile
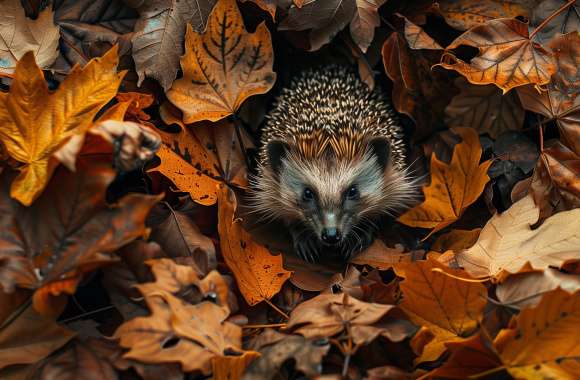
[128, 132]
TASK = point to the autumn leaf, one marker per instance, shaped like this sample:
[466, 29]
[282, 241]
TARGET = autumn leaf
[449, 307]
[453, 186]
[223, 66]
[232, 367]
[542, 342]
[465, 14]
[137, 102]
[159, 32]
[259, 274]
[35, 123]
[507, 56]
[69, 230]
[485, 109]
[507, 241]
[560, 23]
[19, 34]
[381, 257]
[417, 38]
[456, 240]
[266, 5]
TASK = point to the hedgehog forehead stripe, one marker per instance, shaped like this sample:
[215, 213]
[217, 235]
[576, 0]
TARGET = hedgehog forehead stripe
[332, 109]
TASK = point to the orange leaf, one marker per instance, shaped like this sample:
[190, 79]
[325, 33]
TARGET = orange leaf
[223, 66]
[543, 342]
[507, 56]
[137, 102]
[34, 123]
[465, 14]
[259, 274]
[232, 367]
[449, 307]
[453, 187]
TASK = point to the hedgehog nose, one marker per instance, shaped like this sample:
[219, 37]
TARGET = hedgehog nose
[330, 235]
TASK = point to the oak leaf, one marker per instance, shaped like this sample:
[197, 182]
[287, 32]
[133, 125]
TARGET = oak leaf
[259, 274]
[19, 34]
[191, 335]
[465, 14]
[453, 187]
[159, 32]
[542, 342]
[485, 109]
[223, 66]
[507, 56]
[35, 123]
[328, 314]
[449, 307]
[507, 241]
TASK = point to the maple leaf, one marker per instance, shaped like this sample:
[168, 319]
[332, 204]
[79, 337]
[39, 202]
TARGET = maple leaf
[507, 242]
[563, 22]
[19, 34]
[542, 342]
[449, 307]
[328, 314]
[191, 335]
[159, 32]
[453, 186]
[34, 123]
[485, 109]
[223, 66]
[69, 230]
[259, 274]
[507, 56]
[465, 14]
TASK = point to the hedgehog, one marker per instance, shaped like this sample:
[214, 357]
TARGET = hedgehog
[331, 164]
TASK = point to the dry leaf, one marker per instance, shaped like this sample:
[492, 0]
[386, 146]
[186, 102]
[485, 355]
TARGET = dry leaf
[507, 56]
[266, 5]
[381, 257]
[418, 39]
[259, 274]
[191, 335]
[543, 342]
[507, 242]
[223, 66]
[485, 109]
[456, 240]
[232, 367]
[562, 23]
[137, 102]
[449, 307]
[453, 187]
[34, 123]
[465, 14]
[19, 34]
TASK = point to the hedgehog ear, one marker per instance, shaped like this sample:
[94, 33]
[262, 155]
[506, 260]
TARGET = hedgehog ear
[276, 150]
[381, 149]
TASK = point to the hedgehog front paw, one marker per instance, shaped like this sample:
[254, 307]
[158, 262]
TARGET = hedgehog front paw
[307, 250]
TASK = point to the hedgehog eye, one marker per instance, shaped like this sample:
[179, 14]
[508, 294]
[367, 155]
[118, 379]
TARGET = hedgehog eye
[352, 193]
[307, 195]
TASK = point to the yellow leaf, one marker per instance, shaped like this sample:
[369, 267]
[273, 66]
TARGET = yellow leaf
[223, 66]
[35, 123]
[259, 274]
[449, 307]
[453, 187]
[543, 342]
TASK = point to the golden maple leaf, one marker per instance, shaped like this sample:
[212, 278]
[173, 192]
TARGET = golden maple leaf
[453, 186]
[223, 66]
[35, 123]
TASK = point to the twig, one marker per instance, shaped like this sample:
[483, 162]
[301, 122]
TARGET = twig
[550, 17]
[16, 313]
[276, 308]
[264, 326]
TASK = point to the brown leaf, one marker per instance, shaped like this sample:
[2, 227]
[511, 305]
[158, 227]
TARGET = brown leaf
[507, 56]
[307, 354]
[69, 230]
[465, 14]
[456, 240]
[266, 5]
[485, 109]
[542, 342]
[232, 367]
[223, 66]
[565, 22]
[381, 257]
[190, 335]
[19, 34]
[523, 290]
[449, 307]
[259, 274]
[159, 32]
[327, 315]
[507, 242]
[453, 187]
[418, 39]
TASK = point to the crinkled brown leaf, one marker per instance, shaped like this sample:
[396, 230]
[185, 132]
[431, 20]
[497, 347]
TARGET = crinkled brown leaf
[507, 56]
[465, 14]
[381, 257]
[507, 241]
[159, 35]
[418, 39]
[485, 109]
[449, 307]
[222, 66]
[565, 22]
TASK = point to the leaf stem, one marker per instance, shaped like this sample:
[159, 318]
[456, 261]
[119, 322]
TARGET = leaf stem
[488, 372]
[240, 140]
[16, 313]
[276, 308]
[550, 17]
[264, 326]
